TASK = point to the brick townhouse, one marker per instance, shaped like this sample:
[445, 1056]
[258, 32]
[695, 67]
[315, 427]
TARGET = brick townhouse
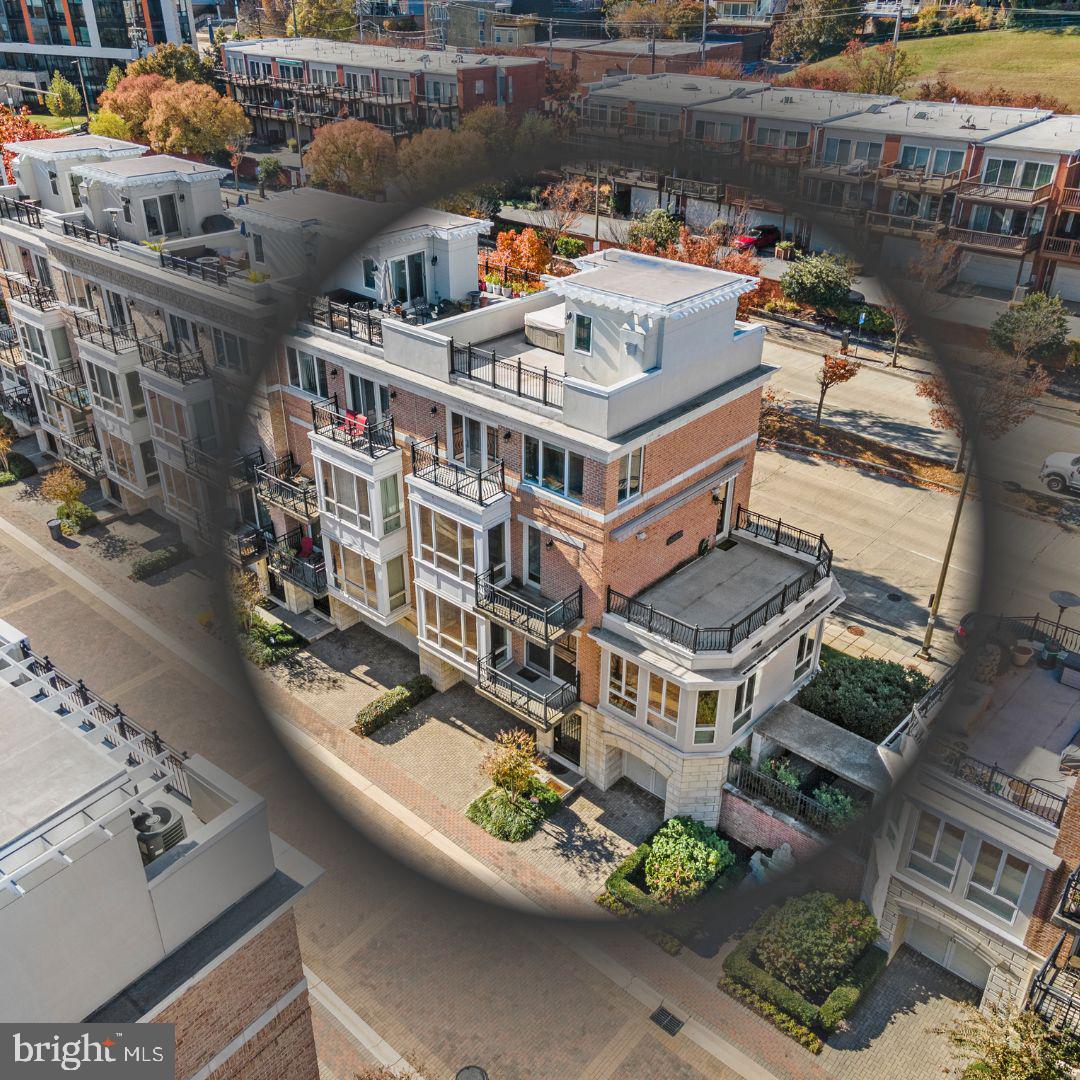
[141, 885]
[291, 85]
[1001, 183]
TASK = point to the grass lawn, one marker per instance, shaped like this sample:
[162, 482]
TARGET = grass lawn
[1022, 60]
[56, 123]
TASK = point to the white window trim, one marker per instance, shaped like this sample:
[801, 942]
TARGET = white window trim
[972, 884]
[935, 847]
[578, 316]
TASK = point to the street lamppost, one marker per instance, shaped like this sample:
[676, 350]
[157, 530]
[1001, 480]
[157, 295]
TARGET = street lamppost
[77, 65]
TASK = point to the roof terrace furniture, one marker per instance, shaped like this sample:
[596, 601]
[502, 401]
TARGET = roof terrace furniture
[352, 320]
[353, 430]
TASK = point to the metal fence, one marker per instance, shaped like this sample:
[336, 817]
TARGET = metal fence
[522, 380]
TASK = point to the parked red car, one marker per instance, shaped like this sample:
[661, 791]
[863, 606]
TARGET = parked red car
[759, 237]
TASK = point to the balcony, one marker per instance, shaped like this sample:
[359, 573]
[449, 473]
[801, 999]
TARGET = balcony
[650, 136]
[1061, 248]
[752, 200]
[1069, 905]
[522, 380]
[788, 156]
[627, 174]
[524, 610]
[357, 432]
[66, 386]
[728, 148]
[1006, 786]
[994, 243]
[693, 189]
[1054, 993]
[244, 544]
[10, 353]
[354, 321]
[900, 225]
[542, 703]
[281, 483]
[481, 486]
[17, 403]
[90, 236]
[177, 364]
[82, 451]
[307, 572]
[897, 177]
[20, 210]
[243, 469]
[35, 294]
[727, 583]
[114, 339]
[1070, 199]
[201, 460]
[215, 269]
[1000, 193]
[850, 172]
[759, 785]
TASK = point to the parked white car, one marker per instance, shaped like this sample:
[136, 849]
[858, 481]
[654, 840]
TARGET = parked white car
[1061, 472]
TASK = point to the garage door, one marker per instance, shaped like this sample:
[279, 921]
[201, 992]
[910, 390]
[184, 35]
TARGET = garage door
[952, 955]
[1066, 281]
[994, 271]
[645, 776]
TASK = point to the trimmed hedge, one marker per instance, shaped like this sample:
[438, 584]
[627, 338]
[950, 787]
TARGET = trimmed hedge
[157, 561]
[837, 1007]
[624, 890]
[266, 643]
[496, 814]
[802, 1035]
[386, 707]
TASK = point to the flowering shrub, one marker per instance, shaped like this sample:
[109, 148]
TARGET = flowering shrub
[814, 940]
[685, 857]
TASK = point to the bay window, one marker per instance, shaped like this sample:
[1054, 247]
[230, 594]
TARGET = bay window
[623, 684]
[345, 496]
[354, 575]
[447, 544]
[997, 881]
[935, 849]
[744, 701]
[705, 717]
[663, 705]
[448, 626]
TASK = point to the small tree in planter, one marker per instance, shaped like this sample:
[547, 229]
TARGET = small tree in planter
[511, 763]
[685, 857]
[835, 370]
[64, 486]
[245, 594]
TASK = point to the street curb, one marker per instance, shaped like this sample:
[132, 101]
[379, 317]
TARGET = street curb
[916, 480]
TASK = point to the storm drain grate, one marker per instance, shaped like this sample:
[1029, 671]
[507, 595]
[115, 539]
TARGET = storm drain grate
[666, 1022]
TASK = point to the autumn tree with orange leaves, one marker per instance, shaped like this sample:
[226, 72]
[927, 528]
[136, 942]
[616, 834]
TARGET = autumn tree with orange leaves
[521, 251]
[835, 371]
[17, 126]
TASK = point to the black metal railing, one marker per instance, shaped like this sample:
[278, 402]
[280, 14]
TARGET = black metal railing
[725, 638]
[1044, 631]
[244, 544]
[82, 451]
[34, 293]
[544, 624]
[523, 380]
[115, 339]
[65, 384]
[540, 708]
[280, 482]
[356, 432]
[309, 572]
[178, 366]
[759, 785]
[25, 213]
[91, 236]
[11, 355]
[200, 459]
[482, 486]
[1053, 994]
[997, 782]
[1069, 907]
[505, 270]
[243, 468]
[213, 269]
[353, 321]
[144, 746]
[17, 403]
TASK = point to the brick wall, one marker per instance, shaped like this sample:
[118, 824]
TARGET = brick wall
[219, 1006]
[283, 1050]
[593, 64]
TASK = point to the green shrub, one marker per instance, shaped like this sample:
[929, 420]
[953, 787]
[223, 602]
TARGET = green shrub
[741, 754]
[158, 561]
[266, 643]
[838, 1006]
[623, 889]
[570, 247]
[878, 321]
[494, 812]
[840, 807]
[75, 517]
[779, 770]
[813, 941]
[868, 697]
[7, 478]
[820, 281]
[685, 857]
[20, 466]
[392, 704]
[799, 1032]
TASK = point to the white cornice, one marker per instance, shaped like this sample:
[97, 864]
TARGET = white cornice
[104, 176]
[582, 292]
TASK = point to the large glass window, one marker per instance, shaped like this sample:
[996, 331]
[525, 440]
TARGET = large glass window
[935, 849]
[167, 420]
[554, 468]
[354, 575]
[395, 581]
[390, 496]
[744, 701]
[105, 389]
[231, 351]
[118, 455]
[631, 467]
[582, 334]
[705, 716]
[307, 372]
[447, 544]
[623, 684]
[663, 710]
[997, 881]
[448, 626]
[345, 495]
[804, 655]
[160, 214]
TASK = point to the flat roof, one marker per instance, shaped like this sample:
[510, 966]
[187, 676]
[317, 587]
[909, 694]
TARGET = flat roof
[355, 54]
[668, 89]
[721, 587]
[794, 103]
[75, 144]
[627, 279]
[1054, 135]
[152, 165]
[46, 768]
[633, 46]
[944, 120]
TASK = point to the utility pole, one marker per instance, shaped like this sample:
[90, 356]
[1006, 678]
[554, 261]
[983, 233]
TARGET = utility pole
[896, 28]
[77, 65]
[551, 36]
[299, 143]
[596, 210]
[935, 602]
[652, 53]
[704, 26]
[296, 33]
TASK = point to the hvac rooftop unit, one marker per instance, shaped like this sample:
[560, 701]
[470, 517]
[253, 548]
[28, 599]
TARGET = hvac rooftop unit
[157, 830]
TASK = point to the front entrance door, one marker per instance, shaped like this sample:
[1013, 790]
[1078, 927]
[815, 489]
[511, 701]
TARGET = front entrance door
[568, 739]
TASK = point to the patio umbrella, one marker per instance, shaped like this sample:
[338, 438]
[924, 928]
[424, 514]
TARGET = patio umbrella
[384, 285]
